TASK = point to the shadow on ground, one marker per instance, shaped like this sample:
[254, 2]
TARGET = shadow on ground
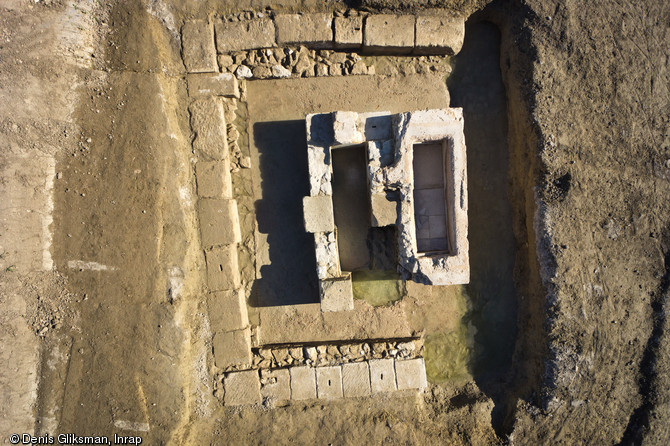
[290, 278]
[476, 85]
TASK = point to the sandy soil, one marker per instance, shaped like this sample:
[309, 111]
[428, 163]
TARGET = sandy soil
[102, 322]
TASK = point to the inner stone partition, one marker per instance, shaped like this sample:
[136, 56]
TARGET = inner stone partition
[351, 205]
[430, 200]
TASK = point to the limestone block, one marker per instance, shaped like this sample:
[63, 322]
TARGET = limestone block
[383, 211]
[219, 222]
[439, 35]
[209, 125]
[197, 38]
[382, 375]
[329, 382]
[313, 30]
[244, 35]
[345, 130]
[227, 310]
[232, 348]
[206, 84]
[387, 33]
[303, 383]
[356, 379]
[348, 32]
[411, 374]
[276, 384]
[222, 268]
[336, 294]
[318, 213]
[319, 129]
[241, 388]
[376, 126]
[213, 179]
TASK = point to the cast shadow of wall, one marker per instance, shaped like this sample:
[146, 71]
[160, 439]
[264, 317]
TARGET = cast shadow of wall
[290, 278]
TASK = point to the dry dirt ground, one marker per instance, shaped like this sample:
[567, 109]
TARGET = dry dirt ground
[103, 327]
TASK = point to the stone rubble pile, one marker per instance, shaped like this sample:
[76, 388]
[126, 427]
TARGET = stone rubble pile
[328, 355]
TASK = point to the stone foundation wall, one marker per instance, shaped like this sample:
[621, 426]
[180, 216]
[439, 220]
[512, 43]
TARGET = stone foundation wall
[220, 54]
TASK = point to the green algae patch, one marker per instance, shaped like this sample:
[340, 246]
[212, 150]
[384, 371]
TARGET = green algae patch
[449, 348]
[377, 288]
[448, 355]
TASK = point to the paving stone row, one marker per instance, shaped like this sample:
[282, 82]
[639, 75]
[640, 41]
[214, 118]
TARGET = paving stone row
[372, 34]
[303, 383]
[218, 216]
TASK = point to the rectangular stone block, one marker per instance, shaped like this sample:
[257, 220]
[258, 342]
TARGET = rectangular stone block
[318, 213]
[303, 383]
[205, 84]
[241, 388]
[383, 211]
[345, 130]
[209, 125]
[439, 35]
[411, 374]
[348, 32]
[232, 348]
[382, 375]
[244, 35]
[227, 310]
[219, 222]
[197, 38]
[222, 268]
[336, 294]
[355, 379]
[387, 33]
[329, 382]
[313, 30]
[276, 384]
[213, 179]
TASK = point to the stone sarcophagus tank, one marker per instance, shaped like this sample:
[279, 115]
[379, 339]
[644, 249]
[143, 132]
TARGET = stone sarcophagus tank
[379, 169]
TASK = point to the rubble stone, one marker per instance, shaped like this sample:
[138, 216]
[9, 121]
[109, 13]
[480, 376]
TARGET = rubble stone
[313, 30]
[213, 179]
[411, 374]
[222, 268]
[219, 222]
[232, 348]
[205, 84]
[243, 72]
[336, 294]
[329, 382]
[348, 32]
[280, 71]
[244, 35]
[303, 383]
[439, 35]
[318, 213]
[241, 388]
[209, 125]
[387, 33]
[227, 310]
[356, 379]
[198, 47]
[382, 375]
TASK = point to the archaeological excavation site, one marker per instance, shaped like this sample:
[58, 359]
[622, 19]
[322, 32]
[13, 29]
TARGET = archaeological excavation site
[337, 222]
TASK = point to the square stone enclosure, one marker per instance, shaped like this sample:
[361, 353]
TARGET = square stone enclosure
[420, 157]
